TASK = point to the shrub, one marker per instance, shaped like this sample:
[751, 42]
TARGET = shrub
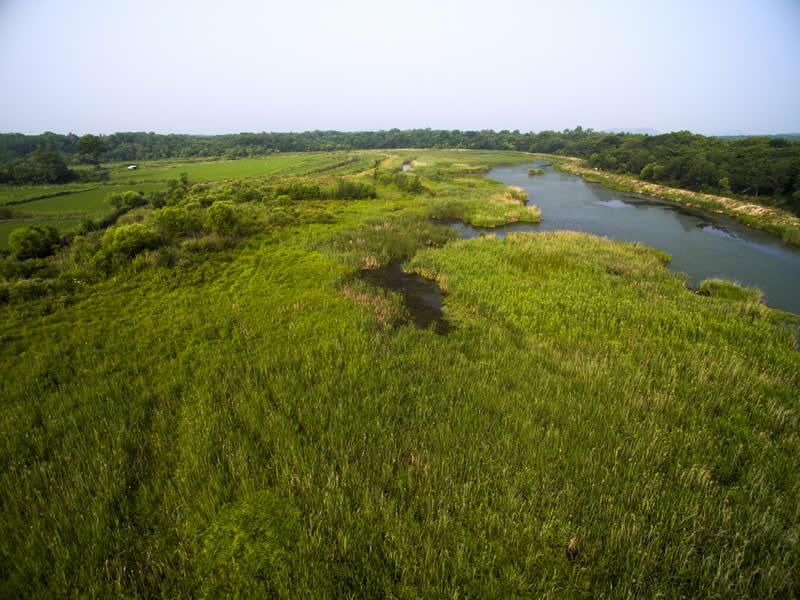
[279, 217]
[173, 221]
[129, 240]
[165, 257]
[299, 190]
[208, 243]
[81, 249]
[346, 189]
[34, 241]
[25, 269]
[126, 200]
[29, 289]
[221, 218]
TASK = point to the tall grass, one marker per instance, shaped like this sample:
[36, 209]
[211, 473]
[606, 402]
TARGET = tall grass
[240, 423]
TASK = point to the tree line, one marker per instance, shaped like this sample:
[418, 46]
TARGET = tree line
[766, 167]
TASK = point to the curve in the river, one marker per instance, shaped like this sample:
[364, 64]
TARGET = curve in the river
[701, 244]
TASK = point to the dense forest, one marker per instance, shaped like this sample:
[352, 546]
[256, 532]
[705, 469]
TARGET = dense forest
[766, 167]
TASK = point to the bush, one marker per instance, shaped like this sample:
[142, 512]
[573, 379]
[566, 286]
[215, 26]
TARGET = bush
[81, 250]
[126, 200]
[300, 191]
[165, 257]
[208, 243]
[175, 221]
[279, 217]
[221, 218]
[346, 189]
[129, 240]
[34, 241]
[25, 269]
[29, 289]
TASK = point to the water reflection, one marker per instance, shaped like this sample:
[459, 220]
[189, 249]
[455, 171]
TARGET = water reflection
[423, 298]
[701, 244]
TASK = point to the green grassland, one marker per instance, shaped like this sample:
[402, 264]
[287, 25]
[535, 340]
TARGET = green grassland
[91, 202]
[292, 165]
[65, 211]
[63, 225]
[63, 206]
[12, 194]
[229, 411]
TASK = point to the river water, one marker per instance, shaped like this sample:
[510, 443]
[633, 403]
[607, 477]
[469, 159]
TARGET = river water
[701, 244]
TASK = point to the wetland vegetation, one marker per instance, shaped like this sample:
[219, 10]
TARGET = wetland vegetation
[208, 396]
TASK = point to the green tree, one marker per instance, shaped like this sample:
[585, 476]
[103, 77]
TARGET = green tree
[90, 147]
[44, 165]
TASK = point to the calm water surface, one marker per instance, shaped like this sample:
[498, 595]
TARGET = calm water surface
[701, 244]
[423, 298]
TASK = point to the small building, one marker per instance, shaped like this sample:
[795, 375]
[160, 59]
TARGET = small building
[132, 167]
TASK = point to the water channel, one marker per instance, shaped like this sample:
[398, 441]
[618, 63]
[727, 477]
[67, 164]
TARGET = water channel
[701, 244]
[423, 298]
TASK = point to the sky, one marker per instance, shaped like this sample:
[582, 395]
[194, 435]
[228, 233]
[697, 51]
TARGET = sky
[172, 66]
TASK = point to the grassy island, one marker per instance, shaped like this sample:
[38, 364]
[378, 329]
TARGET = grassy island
[205, 399]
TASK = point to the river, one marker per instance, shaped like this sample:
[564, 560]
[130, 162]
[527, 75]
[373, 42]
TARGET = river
[701, 244]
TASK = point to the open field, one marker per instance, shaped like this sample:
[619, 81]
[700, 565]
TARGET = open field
[227, 409]
[67, 203]
[12, 194]
[279, 165]
[62, 225]
[65, 211]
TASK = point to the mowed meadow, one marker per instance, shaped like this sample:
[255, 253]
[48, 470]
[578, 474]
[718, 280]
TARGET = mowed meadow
[206, 399]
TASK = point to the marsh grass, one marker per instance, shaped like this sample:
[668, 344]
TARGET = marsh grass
[241, 422]
[480, 202]
[728, 290]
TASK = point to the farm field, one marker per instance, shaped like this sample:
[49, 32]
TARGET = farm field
[12, 194]
[210, 400]
[66, 204]
[64, 225]
[65, 211]
[294, 165]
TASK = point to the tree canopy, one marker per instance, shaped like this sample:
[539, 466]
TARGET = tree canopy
[91, 148]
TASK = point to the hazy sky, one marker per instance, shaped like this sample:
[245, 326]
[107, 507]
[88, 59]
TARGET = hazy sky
[171, 66]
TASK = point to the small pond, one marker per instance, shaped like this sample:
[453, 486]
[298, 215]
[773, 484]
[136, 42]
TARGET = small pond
[423, 298]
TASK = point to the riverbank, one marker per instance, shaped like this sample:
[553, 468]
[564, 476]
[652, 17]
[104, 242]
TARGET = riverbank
[780, 223]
